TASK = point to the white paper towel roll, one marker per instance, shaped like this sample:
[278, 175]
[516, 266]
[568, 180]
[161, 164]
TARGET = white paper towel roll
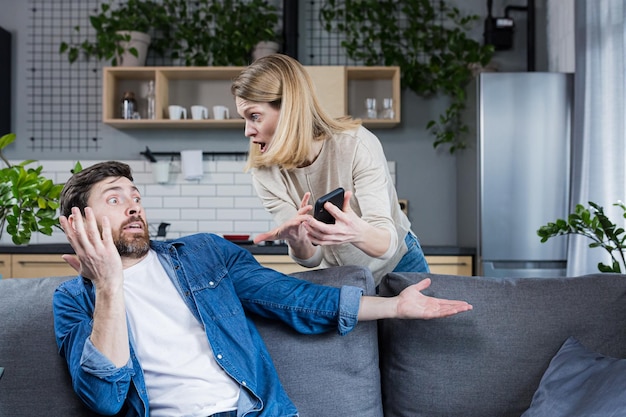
[191, 161]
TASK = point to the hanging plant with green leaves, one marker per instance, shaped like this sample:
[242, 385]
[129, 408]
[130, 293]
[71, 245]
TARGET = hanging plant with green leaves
[109, 43]
[220, 32]
[196, 32]
[427, 39]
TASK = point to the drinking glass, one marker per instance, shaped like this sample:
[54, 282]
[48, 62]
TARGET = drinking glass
[388, 112]
[370, 108]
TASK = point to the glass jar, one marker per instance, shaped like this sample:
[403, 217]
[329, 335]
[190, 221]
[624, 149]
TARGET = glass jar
[128, 106]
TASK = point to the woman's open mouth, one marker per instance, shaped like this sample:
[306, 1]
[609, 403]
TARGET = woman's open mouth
[262, 146]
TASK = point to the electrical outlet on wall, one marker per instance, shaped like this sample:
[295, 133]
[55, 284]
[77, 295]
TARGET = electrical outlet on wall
[404, 206]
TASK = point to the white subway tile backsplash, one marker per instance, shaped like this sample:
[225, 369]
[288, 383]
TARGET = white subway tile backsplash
[149, 202]
[198, 214]
[252, 201]
[200, 190]
[222, 178]
[186, 226]
[143, 177]
[162, 215]
[181, 202]
[262, 227]
[215, 226]
[222, 202]
[217, 202]
[234, 214]
[230, 166]
[243, 178]
[241, 190]
[261, 214]
[166, 190]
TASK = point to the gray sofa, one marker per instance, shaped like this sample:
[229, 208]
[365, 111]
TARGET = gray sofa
[509, 351]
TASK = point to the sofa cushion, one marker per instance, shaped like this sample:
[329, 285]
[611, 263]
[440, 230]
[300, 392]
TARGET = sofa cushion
[328, 374]
[35, 381]
[580, 382]
[489, 361]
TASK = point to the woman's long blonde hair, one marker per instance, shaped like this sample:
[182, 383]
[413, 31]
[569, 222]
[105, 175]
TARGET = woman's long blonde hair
[284, 83]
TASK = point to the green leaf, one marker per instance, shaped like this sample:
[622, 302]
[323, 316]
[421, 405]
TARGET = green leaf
[434, 57]
[6, 140]
[28, 200]
[595, 225]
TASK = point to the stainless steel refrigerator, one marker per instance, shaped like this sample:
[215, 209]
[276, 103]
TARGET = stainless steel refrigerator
[514, 177]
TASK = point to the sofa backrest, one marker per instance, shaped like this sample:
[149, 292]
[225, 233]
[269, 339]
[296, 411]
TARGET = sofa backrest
[488, 362]
[328, 374]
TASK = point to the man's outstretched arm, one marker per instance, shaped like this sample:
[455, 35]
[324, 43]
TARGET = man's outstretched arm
[410, 304]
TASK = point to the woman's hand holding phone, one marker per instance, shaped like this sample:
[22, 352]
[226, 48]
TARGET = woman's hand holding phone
[335, 197]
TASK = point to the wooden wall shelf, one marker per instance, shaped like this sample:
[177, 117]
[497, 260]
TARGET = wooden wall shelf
[341, 90]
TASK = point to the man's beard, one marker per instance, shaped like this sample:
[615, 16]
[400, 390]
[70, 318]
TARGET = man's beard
[134, 245]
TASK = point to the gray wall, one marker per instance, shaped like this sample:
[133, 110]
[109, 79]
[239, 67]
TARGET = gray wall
[425, 176]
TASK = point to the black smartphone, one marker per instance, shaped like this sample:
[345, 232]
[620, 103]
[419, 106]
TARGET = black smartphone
[336, 198]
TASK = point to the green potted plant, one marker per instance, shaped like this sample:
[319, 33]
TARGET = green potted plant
[427, 40]
[28, 200]
[123, 33]
[220, 32]
[595, 225]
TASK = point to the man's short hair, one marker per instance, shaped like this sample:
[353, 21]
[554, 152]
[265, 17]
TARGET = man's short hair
[77, 189]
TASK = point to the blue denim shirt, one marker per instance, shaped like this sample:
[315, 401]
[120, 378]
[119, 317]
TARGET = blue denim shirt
[218, 281]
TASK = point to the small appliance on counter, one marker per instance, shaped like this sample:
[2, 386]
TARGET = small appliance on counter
[238, 239]
[161, 231]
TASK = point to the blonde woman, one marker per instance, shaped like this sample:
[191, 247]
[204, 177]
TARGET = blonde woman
[298, 153]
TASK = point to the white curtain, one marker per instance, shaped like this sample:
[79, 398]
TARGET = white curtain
[599, 149]
[560, 33]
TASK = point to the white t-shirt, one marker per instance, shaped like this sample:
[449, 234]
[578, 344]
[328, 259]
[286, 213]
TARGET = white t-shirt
[181, 374]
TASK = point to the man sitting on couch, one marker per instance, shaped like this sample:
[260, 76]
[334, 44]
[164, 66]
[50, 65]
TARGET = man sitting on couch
[159, 327]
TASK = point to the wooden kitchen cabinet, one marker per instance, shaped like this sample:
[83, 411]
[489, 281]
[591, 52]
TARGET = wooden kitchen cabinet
[38, 266]
[342, 90]
[281, 263]
[450, 265]
[446, 264]
[44, 265]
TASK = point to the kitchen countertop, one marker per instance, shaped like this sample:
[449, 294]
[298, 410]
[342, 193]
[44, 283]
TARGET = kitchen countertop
[275, 249]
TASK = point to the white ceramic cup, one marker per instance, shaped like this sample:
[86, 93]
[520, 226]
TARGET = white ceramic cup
[221, 113]
[199, 112]
[161, 171]
[177, 112]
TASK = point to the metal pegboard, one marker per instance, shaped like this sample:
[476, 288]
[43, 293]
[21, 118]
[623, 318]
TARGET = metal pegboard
[321, 47]
[63, 98]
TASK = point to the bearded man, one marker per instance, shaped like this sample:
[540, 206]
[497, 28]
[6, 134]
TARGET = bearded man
[155, 328]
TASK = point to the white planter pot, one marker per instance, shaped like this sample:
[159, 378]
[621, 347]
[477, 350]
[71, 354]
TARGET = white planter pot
[265, 48]
[139, 41]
